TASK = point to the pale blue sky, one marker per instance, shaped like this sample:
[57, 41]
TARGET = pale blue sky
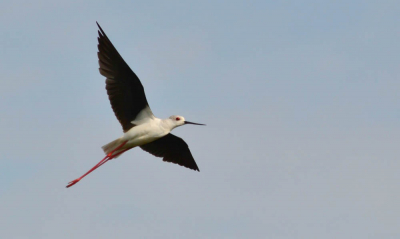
[301, 101]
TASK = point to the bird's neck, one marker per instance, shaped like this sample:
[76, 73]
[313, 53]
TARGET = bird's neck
[167, 124]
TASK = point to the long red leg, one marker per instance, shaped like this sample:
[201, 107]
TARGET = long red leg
[113, 156]
[104, 160]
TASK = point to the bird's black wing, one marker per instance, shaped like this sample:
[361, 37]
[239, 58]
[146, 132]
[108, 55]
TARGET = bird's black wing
[173, 149]
[124, 88]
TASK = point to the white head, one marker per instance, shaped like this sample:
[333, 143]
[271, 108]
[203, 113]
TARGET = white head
[178, 120]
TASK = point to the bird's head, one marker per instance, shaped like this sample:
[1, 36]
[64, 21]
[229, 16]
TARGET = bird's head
[180, 120]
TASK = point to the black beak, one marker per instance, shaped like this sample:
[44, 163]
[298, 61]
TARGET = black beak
[188, 122]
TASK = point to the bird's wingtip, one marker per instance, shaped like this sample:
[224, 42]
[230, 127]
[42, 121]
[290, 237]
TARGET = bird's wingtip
[101, 29]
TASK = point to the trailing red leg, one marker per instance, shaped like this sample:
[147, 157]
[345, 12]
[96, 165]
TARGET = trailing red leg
[104, 160]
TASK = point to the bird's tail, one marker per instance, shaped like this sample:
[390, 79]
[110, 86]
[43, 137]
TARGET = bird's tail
[108, 148]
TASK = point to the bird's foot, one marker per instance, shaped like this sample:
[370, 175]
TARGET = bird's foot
[73, 182]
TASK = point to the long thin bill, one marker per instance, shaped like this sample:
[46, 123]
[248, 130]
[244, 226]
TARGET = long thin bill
[188, 122]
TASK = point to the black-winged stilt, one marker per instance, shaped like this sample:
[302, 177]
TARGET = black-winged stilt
[140, 126]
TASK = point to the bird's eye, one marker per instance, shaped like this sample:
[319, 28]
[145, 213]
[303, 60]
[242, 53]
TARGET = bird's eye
[177, 118]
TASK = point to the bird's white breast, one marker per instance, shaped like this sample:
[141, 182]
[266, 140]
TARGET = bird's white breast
[145, 133]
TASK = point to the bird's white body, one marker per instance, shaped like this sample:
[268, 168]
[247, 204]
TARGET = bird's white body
[148, 130]
[145, 133]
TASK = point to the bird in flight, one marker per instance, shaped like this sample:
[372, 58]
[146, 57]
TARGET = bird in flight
[141, 128]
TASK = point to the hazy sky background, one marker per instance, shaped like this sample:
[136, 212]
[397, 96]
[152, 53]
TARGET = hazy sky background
[301, 101]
